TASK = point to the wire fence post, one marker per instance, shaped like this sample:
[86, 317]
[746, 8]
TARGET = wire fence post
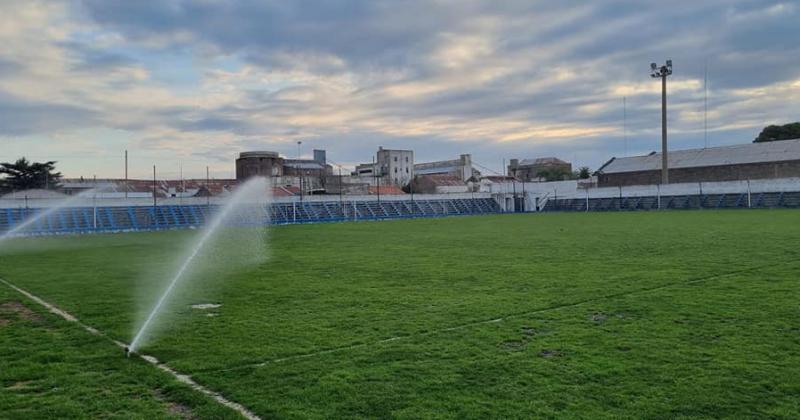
[749, 205]
[658, 195]
[587, 199]
[94, 204]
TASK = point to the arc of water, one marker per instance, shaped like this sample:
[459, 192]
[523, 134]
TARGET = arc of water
[41, 215]
[209, 231]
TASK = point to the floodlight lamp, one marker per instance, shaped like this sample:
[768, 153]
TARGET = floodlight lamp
[669, 63]
[653, 66]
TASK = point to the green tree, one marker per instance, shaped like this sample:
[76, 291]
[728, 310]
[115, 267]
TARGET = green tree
[584, 172]
[779, 132]
[24, 175]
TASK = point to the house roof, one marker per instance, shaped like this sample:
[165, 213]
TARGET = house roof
[442, 180]
[775, 151]
[386, 190]
[285, 191]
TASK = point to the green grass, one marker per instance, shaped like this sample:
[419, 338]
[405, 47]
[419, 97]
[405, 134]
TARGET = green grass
[658, 315]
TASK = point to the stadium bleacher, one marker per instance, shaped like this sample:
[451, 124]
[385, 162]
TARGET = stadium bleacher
[686, 202]
[132, 218]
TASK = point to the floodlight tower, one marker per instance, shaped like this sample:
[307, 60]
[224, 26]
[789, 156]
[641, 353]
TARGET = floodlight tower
[662, 72]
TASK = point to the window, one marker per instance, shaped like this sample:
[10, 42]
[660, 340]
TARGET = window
[395, 158]
[406, 170]
[395, 170]
[406, 159]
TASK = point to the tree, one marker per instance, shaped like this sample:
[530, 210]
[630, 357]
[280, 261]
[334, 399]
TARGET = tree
[584, 172]
[779, 132]
[24, 175]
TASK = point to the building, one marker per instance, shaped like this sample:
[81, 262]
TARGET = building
[259, 163]
[777, 159]
[439, 184]
[391, 167]
[395, 167]
[316, 167]
[540, 169]
[270, 164]
[461, 168]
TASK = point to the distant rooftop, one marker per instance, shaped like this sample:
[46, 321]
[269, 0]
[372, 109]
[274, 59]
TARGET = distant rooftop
[774, 151]
[258, 154]
[542, 161]
[443, 180]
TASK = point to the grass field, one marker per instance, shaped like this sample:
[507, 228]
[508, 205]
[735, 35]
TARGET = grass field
[657, 315]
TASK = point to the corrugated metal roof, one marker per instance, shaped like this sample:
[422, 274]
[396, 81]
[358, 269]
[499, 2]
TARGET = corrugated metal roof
[774, 151]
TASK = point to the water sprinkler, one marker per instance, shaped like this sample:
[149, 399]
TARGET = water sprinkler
[127, 351]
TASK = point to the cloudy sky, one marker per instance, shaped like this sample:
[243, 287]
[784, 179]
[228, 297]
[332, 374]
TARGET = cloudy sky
[192, 83]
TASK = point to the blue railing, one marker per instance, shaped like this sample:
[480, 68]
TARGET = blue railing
[133, 218]
[688, 202]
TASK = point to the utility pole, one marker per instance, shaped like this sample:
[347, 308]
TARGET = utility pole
[183, 187]
[662, 73]
[514, 189]
[376, 179]
[208, 193]
[300, 171]
[341, 192]
[126, 174]
[155, 215]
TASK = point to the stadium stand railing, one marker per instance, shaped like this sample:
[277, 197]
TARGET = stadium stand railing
[134, 218]
[676, 202]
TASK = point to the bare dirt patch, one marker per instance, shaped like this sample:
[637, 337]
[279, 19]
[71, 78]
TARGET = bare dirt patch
[174, 408]
[20, 386]
[16, 308]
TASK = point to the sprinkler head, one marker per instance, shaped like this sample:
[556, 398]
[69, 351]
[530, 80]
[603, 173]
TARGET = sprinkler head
[127, 351]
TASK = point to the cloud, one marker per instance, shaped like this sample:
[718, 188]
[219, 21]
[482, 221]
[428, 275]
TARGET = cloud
[514, 78]
[22, 117]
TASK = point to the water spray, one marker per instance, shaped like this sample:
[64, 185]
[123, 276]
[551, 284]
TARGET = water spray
[255, 186]
[19, 228]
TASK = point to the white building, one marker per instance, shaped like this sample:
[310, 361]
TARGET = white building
[461, 168]
[391, 167]
[395, 166]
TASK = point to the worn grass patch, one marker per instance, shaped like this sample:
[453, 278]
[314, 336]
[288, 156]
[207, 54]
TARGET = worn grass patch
[657, 315]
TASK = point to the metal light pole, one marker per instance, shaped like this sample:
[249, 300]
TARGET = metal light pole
[662, 72]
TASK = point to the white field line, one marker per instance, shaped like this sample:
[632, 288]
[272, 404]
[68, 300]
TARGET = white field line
[186, 379]
[493, 320]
